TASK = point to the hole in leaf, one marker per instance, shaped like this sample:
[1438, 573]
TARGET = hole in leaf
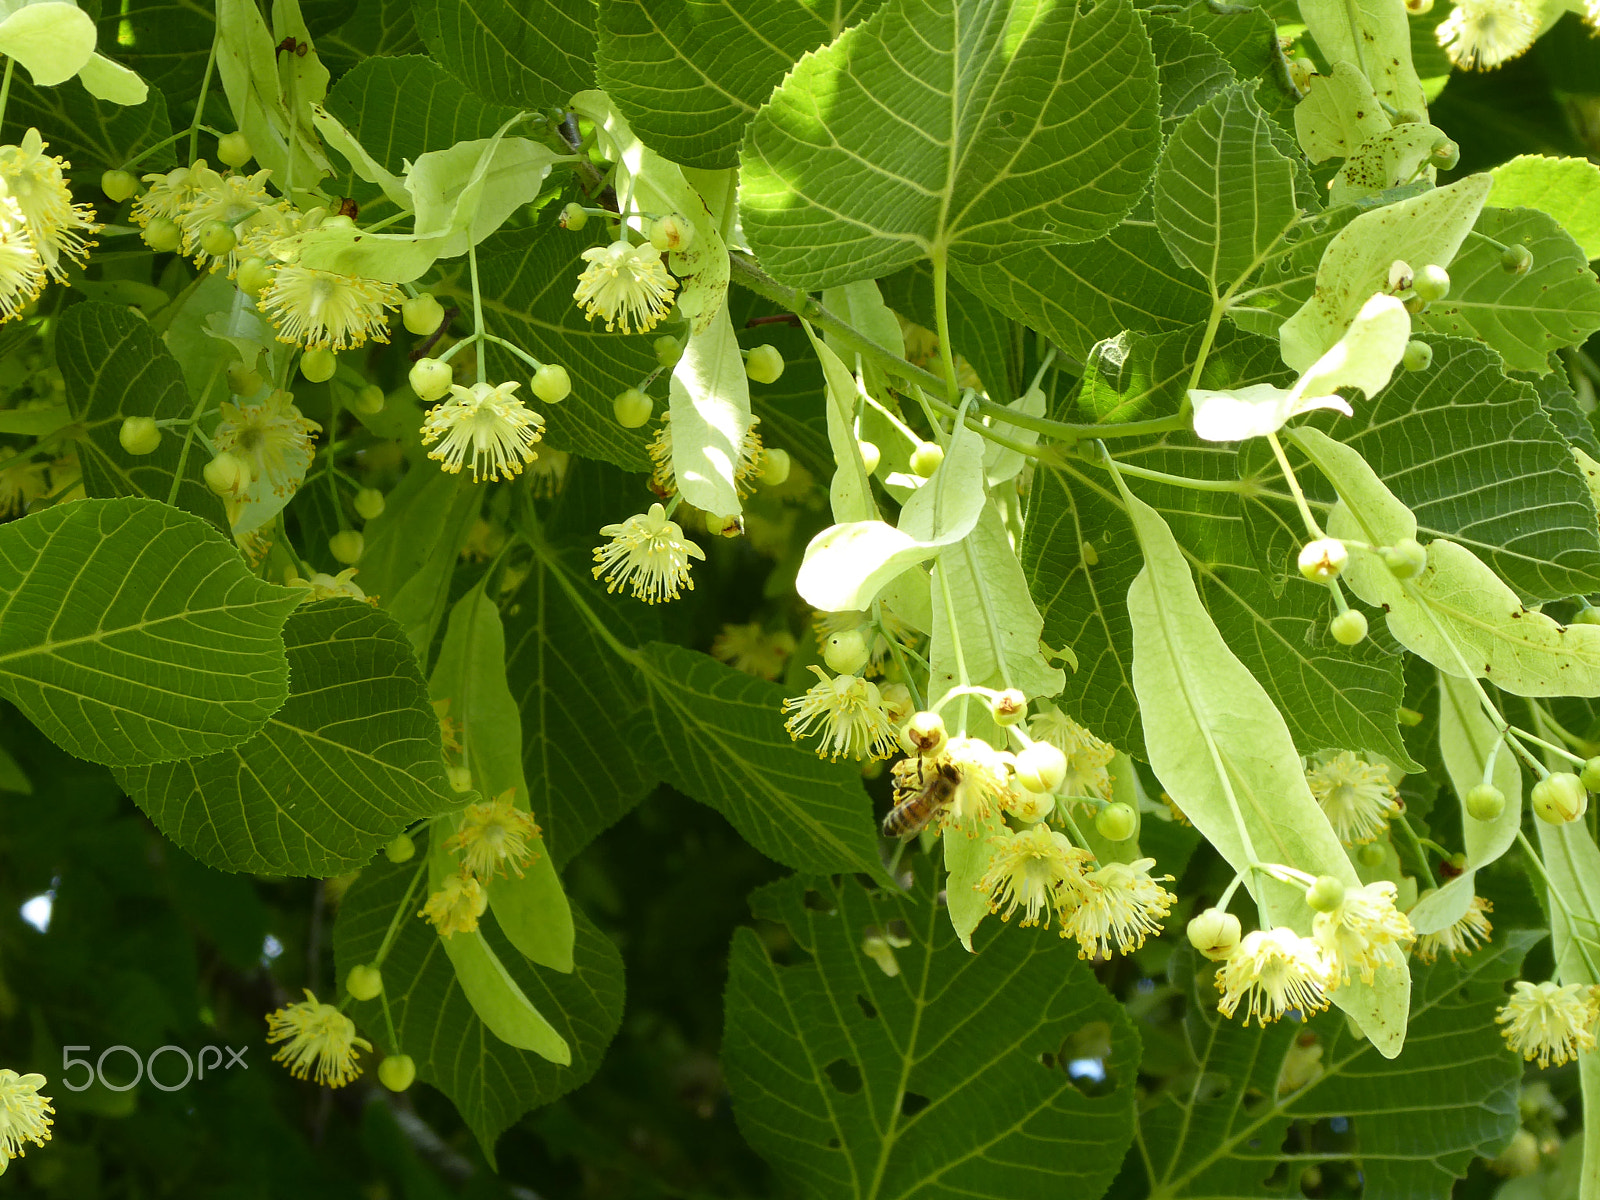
[867, 1008]
[844, 1076]
[817, 902]
[913, 1103]
[1048, 1061]
[833, 1143]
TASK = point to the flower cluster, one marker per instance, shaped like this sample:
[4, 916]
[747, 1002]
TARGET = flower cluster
[1550, 1022]
[664, 480]
[24, 1115]
[648, 553]
[486, 425]
[318, 1040]
[41, 229]
[1355, 795]
[493, 837]
[1087, 756]
[626, 286]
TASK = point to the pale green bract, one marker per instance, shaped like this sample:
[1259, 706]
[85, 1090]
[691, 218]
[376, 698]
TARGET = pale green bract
[1339, 114]
[1375, 35]
[710, 398]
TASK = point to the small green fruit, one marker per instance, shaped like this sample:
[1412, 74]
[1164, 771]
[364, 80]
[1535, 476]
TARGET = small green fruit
[1559, 798]
[551, 383]
[847, 652]
[401, 849]
[573, 217]
[319, 364]
[369, 400]
[346, 546]
[234, 149]
[217, 238]
[1214, 933]
[1405, 559]
[430, 379]
[668, 350]
[1585, 616]
[1418, 356]
[775, 468]
[118, 185]
[369, 503]
[139, 435]
[673, 232]
[1590, 775]
[422, 314]
[1349, 627]
[1116, 822]
[227, 474]
[364, 982]
[870, 456]
[1325, 894]
[1446, 154]
[1485, 802]
[1372, 855]
[1516, 259]
[1042, 767]
[397, 1072]
[925, 459]
[632, 408]
[162, 234]
[1432, 283]
[764, 364]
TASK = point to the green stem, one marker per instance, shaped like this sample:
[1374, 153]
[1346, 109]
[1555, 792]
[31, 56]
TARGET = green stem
[1241, 486]
[200, 104]
[955, 637]
[1409, 836]
[1312, 527]
[941, 316]
[477, 314]
[5, 88]
[898, 654]
[188, 434]
[1562, 751]
[400, 911]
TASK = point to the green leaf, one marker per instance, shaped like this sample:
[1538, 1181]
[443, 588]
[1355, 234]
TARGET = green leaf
[115, 367]
[935, 128]
[1078, 295]
[348, 762]
[1190, 69]
[719, 737]
[850, 489]
[690, 74]
[1466, 739]
[1225, 1140]
[530, 53]
[1375, 35]
[167, 42]
[1555, 304]
[92, 135]
[1224, 754]
[1567, 189]
[1223, 193]
[709, 398]
[376, 29]
[491, 1084]
[132, 633]
[1135, 375]
[1339, 115]
[1424, 229]
[825, 1057]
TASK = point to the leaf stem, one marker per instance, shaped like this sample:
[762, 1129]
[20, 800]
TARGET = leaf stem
[5, 88]
[200, 104]
[941, 316]
[477, 314]
[1294, 486]
[188, 435]
[1415, 846]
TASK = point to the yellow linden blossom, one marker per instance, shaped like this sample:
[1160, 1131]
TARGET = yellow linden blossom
[751, 649]
[323, 586]
[1365, 932]
[985, 772]
[21, 483]
[318, 1039]
[489, 423]
[1087, 755]
[1278, 971]
[626, 285]
[850, 714]
[649, 553]
[1481, 34]
[494, 836]
[58, 227]
[1355, 795]
[1123, 903]
[456, 906]
[1465, 936]
[314, 308]
[1039, 871]
[271, 436]
[169, 194]
[24, 1115]
[1550, 1022]
[22, 273]
[664, 482]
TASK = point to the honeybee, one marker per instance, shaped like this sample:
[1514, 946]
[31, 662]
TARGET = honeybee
[918, 800]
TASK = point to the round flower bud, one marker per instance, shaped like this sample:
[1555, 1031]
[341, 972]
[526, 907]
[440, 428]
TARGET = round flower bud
[364, 982]
[369, 503]
[1559, 798]
[139, 435]
[1349, 627]
[1432, 283]
[1214, 933]
[1419, 8]
[319, 364]
[1399, 276]
[118, 185]
[1323, 559]
[1485, 802]
[422, 314]
[1457, 862]
[346, 546]
[369, 400]
[925, 459]
[775, 469]
[460, 779]
[226, 474]
[338, 221]
[1446, 155]
[1590, 775]
[551, 383]
[244, 380]
[1009, 707]
[573, 217]
[1406, 559]
[1116, 822]
[217, 238]
[234, 149]
[1516, 259]
[162, 234]
[1520, 1158]
[846, 653]
[632, 408]
[1372, 855]
[1325, 894]
[1418, 356]
[1041, 767]
[764, 364]
[870, 456]
[673, 232]
[430, 379]
[401, 849]
[925, 733]
[253, 276]
[397, 1072]
[668, 350]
